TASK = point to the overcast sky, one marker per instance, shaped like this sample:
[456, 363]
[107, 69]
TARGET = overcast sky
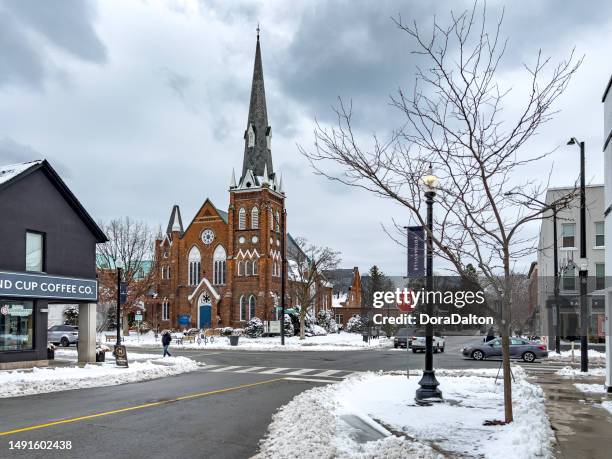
[142, 104]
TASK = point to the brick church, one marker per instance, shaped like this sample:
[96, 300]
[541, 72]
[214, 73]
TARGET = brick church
[225, 266]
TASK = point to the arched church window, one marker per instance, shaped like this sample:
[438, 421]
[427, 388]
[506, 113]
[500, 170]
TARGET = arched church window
[271, 220]
[219, 262]
[194, 266]
[242, 219]
[251, 136]
[252, 308]
[255, 218]
[277, 221]
[247, 268]
[243, 308]
[255, 267]
[241, 268]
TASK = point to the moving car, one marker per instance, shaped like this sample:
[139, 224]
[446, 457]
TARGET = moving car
[520, 348]
[417, 342]
[64, 335]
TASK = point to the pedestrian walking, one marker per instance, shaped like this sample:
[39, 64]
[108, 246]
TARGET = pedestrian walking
[490, 335]
[166, 340]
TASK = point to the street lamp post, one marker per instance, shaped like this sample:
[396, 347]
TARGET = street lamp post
[119, 266]
[283, 273]
[429, 392]
[583, 267]
[556, 312]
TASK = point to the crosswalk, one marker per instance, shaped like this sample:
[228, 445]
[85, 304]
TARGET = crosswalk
[280, 371]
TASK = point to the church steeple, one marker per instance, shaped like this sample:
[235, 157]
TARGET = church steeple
[257, 136]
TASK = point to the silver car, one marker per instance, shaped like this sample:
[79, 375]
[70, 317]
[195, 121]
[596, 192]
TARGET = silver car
[64, 335]
[519, 349]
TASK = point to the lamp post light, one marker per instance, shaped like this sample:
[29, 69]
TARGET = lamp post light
[429, 392]
[283, 273]
[583, 265]
[119, 265]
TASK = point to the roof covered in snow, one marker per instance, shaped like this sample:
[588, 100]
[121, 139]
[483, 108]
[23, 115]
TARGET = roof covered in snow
[8, 173]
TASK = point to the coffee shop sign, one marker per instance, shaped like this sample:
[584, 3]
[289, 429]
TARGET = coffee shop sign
[49, 287]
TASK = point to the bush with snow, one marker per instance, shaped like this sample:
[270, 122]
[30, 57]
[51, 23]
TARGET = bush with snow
[325, 319]
[254, 328]
[288, 325]
[354, 324]
[225, 331]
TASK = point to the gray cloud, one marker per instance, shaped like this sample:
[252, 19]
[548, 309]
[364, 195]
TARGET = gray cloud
[13, 152]
[28, 26]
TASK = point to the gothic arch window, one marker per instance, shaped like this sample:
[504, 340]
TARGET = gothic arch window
[271, 220]
[165, 312]
[252, 308]
[277, 222]
[242, 219]
[241, 268]
[219, 265]
[254, 218]
[251, 136]
[275, 268]
[195, 261]
[243, 307]
[247, 268]
[255, 267]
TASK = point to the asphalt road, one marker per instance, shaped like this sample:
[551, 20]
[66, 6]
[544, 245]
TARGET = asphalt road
[206, 413]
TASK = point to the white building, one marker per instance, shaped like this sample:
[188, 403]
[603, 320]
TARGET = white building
[607, 148]
[568, 246]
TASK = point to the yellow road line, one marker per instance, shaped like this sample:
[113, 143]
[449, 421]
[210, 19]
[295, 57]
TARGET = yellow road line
[137, 407]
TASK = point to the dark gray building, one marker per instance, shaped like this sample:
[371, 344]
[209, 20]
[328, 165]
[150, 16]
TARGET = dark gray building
[47, 254]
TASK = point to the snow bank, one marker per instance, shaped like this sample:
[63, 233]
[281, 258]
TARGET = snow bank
[330, 342]
[575, 372]
[591, 388]
[312, 422]
[42, 380]
[567, 355]
[607, 406]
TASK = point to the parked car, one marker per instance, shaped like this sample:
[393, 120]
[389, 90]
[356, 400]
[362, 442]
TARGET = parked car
[520, 348]
[401, 337]
[64, 335]
[417, 342]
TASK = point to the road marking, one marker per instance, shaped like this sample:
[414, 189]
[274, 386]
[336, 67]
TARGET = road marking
[230, 368]
[326, 381]
[300, 372]
[247, 370]
[328, 373]
[137, 407]
[273, 371]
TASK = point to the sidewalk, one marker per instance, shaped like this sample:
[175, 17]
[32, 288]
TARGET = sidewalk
[582, 427]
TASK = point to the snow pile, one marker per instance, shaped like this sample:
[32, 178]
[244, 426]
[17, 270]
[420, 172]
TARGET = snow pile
[313, 422]
[607, 406]
[591, 388]
[567, 355]
[42, 380]
[574, 372]
[331, 342]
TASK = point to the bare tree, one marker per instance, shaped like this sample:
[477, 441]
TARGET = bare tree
[306, 265]
[130, 242]
[453, 120]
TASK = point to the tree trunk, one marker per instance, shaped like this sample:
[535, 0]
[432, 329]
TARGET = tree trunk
[302, 323]
[507, 379]
[125, 324]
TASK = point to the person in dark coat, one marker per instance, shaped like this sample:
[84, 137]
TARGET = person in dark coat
[490, 335]
[166, 340]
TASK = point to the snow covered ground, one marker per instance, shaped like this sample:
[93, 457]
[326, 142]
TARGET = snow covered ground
[575, 372]
[591, 388]
[41, 380]
[314, 422]
[332, 342]
[566, 356]
[607, 405]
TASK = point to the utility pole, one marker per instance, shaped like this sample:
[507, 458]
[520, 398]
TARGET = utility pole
[556, 312]
[283, 273]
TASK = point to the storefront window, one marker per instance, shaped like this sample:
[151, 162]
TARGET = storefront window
[16, 325]
[34, 252]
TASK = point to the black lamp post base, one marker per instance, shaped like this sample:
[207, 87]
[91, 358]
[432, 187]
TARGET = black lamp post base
[428, 392]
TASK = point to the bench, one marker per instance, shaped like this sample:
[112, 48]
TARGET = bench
[110, 338]
[180, 340]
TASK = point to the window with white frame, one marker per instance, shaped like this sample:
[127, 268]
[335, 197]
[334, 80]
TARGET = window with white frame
[275, 268]
[599, 234]
[568, 235]
[255, 267]
[254, 218]
[34, 251]
[247, 268]
[252, 306]
[339, 319]
[243, 308]
[242, 219]
[219, 263]
[277, 221]
[194, 266]
[240, 268]
[165, 312]
[569, 278]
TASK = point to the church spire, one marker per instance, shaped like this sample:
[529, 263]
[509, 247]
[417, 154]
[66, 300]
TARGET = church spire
[257, 137]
